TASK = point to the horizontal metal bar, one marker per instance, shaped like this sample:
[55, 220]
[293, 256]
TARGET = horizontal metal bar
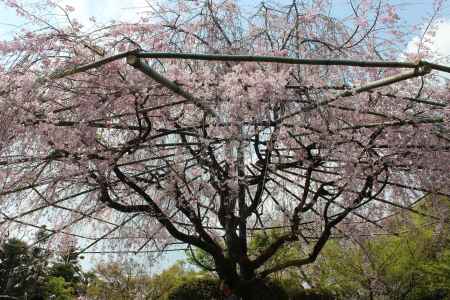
[248, 58]
[278, 59]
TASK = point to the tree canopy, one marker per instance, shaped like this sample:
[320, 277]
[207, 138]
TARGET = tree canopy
[403, 265]
[31, 272]
[221, 122]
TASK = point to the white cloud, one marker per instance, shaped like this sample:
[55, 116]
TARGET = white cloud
[438, 42]
[442, 39]
[105, 11]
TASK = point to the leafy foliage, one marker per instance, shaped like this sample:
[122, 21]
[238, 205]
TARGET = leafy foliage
[58, 289]
[201, 289]
[67, 267]
[162, 285]
[117, 281]
[123, 281]
[33, 273]
[411, 265]
[22, 270]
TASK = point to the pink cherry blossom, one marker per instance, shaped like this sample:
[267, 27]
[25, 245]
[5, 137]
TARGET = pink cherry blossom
[202, 122]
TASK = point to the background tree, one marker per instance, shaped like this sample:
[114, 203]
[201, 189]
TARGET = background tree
[66, 265]
[29, 271]
[58, 289]
[22, 274]
[162, 285]
[401, 265]
[118, 281]
[286, 116]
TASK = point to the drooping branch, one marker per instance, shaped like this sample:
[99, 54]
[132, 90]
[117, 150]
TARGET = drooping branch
[164, 219]
[330, 223]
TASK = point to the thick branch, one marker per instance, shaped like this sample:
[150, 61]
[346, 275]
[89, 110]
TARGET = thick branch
[162, 217]
[142, 66]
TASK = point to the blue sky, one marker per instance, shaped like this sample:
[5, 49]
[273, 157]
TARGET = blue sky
[410, 11]
[105, 10]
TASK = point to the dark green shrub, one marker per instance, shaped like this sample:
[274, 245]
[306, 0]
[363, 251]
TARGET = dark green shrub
[266, 290]
[209, 289]
[199, 289]
[311, 295]
[275, 292]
